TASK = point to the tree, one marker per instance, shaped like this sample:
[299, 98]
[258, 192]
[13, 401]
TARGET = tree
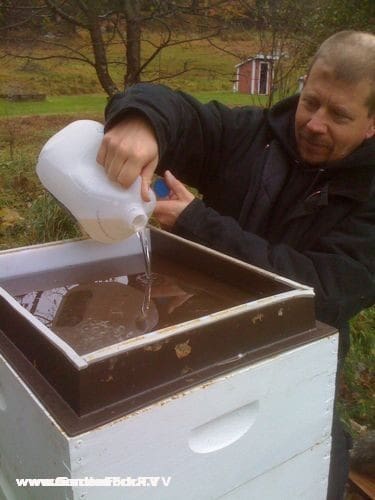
[291, 31]
[105, 25]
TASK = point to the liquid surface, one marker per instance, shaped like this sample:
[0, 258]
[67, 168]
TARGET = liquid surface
[95, 306]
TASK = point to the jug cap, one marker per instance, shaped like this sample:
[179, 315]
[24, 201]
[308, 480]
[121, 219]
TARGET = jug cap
[160, 188]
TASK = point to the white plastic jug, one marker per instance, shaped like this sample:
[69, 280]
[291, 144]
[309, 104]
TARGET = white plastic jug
[67, 167]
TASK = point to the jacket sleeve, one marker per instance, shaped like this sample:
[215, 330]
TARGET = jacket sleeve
[340, 267]
[193, 138]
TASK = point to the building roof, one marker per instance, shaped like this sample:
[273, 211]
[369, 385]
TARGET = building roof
[261, 57]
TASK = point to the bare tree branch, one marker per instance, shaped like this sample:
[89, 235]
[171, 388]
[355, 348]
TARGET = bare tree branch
[222, 49]
[69, 18]
[15, 25]
[170, 76]
[83, 6]
[74, 54]
[57, 56]
[123, 24]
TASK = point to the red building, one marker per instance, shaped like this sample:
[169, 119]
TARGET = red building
[255, 75]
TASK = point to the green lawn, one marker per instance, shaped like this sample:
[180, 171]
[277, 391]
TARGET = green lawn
[54, 105]
[95, 103]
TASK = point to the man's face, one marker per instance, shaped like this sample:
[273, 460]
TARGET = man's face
[332, 117]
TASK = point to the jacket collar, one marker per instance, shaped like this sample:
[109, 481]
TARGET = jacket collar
[355, 184]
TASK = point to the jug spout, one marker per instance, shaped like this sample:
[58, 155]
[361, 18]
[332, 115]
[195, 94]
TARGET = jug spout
[135, 217]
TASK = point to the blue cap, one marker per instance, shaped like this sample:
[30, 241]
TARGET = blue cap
[160, 188]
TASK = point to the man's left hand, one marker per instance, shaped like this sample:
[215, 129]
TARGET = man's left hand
[167, 211]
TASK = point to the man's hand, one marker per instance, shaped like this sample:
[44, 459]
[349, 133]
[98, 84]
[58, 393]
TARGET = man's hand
[167, 211]
[130, 149]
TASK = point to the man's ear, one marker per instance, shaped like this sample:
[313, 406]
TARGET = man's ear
[371, 129]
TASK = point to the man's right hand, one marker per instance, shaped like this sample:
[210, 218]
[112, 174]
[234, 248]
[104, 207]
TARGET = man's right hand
[130, 149]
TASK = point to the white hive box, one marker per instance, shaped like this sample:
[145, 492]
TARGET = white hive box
[250, 418]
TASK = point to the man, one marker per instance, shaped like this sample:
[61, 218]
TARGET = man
[290, 190]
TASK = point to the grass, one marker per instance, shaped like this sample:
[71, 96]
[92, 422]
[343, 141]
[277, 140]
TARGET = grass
[358, 381]
[199, 66]
[95, 103]
[55, 105]
[203, 67]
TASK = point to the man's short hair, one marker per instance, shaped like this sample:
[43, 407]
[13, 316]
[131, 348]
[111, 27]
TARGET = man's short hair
[351, 55]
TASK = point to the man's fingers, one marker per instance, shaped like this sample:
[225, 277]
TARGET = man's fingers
[114, 165]
[106, 152]
[163, 213]
[162, 207]
[145, 188]
[173, 183]
[179, 190]
[168, 211]
[129, 149]
[100, 157]
[129, 171]
[147, 173]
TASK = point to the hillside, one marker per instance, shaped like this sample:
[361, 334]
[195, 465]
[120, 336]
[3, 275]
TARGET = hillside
[213, 70]
[205, 67]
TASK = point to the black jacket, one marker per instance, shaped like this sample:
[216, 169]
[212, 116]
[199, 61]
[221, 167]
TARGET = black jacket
[261, 203]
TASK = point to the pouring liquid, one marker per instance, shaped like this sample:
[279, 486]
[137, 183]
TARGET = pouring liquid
[145, 279]
[146, 253]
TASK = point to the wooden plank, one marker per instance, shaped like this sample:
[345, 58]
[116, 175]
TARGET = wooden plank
[31, 444]
[302, 477]
[364, 483]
